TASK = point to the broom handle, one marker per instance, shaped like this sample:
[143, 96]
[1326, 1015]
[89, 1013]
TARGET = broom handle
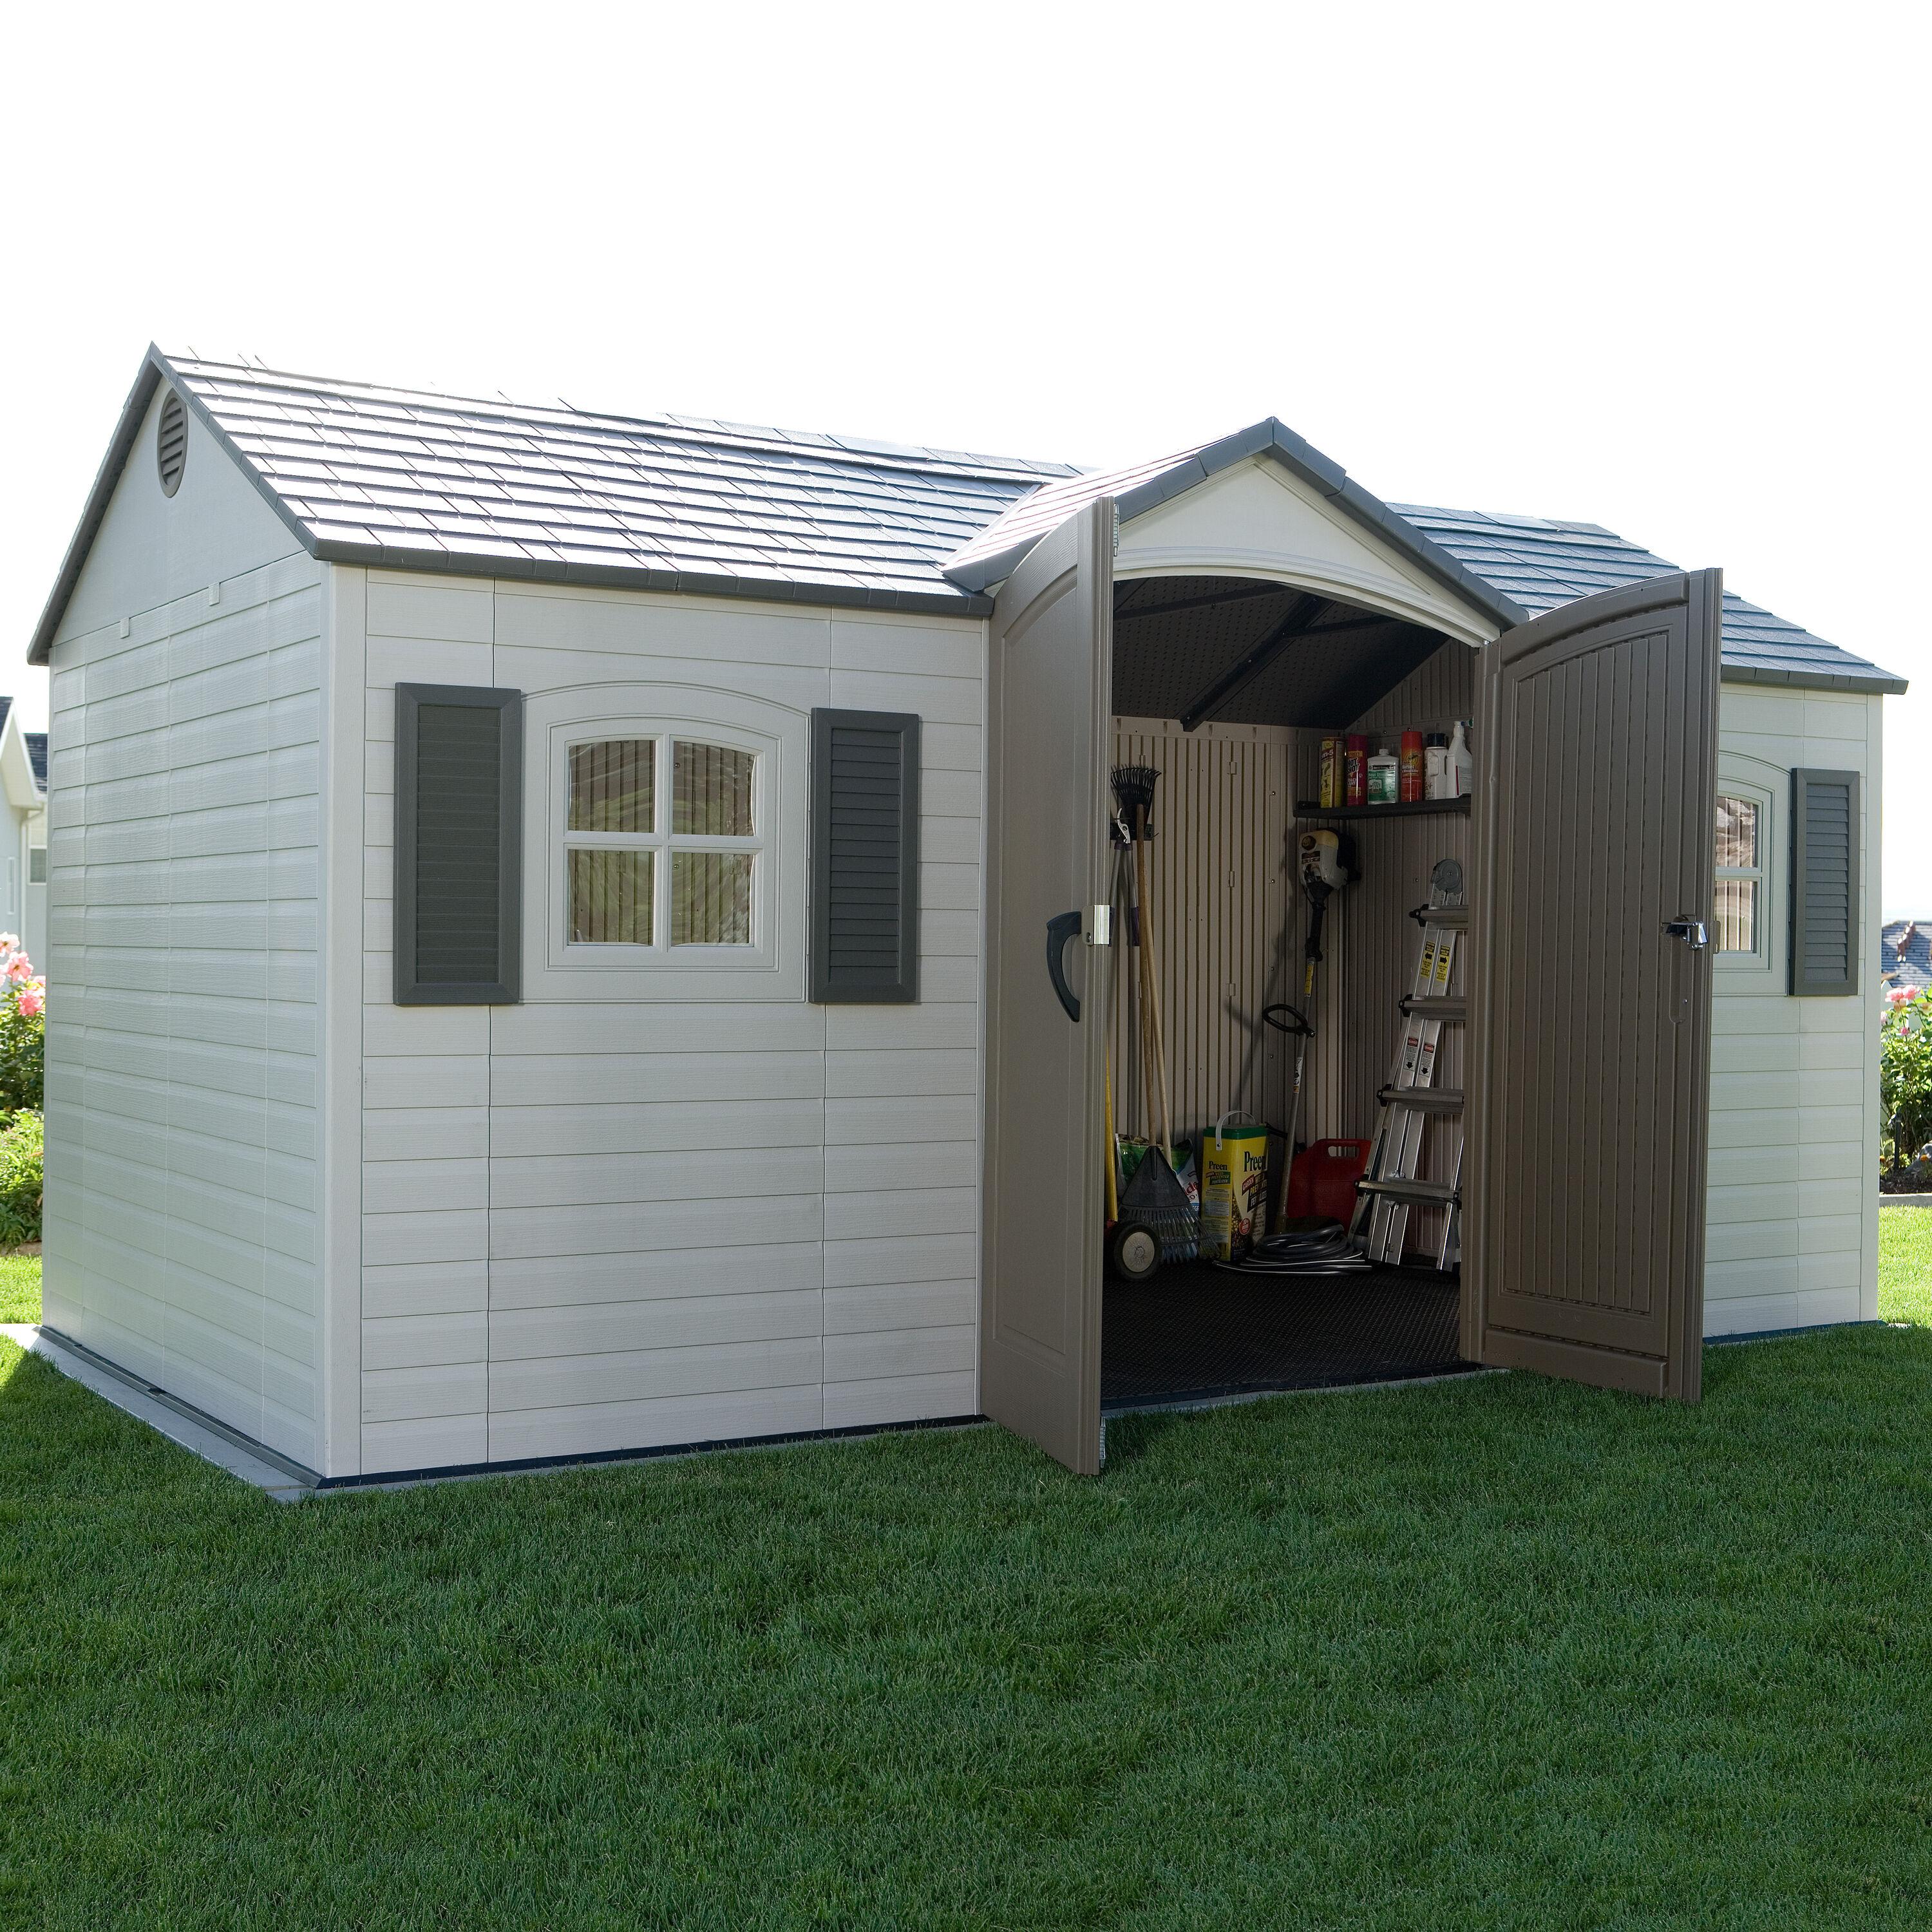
[1150, 976]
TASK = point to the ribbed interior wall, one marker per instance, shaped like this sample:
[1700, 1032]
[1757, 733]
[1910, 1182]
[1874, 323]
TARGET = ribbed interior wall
[1217, 896]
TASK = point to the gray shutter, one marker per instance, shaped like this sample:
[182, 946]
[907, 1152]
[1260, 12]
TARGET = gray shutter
[1824, 882]
[459, 845]
[864, 942]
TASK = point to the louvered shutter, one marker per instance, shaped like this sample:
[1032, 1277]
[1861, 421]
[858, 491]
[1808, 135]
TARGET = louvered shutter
[864, 942]
[1824, 882]
[459, 845]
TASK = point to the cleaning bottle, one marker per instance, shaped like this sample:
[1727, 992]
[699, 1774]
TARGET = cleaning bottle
[1436, 778]
[1356, 762]
[1384, 781]
[1410, 780]
[1462, 764]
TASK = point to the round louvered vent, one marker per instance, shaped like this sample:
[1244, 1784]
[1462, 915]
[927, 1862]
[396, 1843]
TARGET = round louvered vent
[171, 445]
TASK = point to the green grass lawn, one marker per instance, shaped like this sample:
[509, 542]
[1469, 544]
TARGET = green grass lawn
[1502, 1653]
[19, 1288]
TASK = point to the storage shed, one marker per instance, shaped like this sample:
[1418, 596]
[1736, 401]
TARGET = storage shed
[555, 919]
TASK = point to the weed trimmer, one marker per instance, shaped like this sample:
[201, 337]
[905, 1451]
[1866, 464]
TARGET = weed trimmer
[1324, 870]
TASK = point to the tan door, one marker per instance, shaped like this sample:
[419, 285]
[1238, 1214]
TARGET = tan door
[1589, 1099]
[1047, 867]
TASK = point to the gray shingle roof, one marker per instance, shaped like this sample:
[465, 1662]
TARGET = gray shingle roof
[1539, 563]
[36, 756]
[398, 478]
[404, 480]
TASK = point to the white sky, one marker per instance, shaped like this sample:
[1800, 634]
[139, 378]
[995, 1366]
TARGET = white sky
[1658, 267]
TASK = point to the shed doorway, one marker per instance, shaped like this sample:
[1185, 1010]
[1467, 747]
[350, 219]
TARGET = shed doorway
[1578, 1246]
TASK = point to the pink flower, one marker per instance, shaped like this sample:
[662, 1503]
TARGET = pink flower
[19, 967]
[32, 1002]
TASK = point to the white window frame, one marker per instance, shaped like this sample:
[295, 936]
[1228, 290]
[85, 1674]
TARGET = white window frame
[664, 843]
[772, 967]
[1759, 958]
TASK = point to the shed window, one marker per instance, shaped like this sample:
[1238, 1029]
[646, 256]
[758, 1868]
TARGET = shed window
[639, 875]
[1740, 872]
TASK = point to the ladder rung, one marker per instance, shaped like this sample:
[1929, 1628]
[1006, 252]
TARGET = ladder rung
[1444, 918]
[1456, 1009]
[1423, 1100]
[1436, 1193]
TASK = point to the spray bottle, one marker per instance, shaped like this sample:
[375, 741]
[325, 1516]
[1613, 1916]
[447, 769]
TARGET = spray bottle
[1462, 763]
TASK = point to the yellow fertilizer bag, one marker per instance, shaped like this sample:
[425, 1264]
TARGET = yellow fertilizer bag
[1233, 1188]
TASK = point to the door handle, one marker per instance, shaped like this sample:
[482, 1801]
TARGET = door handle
[1061, 928]
[1690, 930]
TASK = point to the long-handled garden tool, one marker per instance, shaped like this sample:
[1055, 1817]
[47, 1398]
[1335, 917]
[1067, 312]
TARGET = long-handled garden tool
[1154, 1198]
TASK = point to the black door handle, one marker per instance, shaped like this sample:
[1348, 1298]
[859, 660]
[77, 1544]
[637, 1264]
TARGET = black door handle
[1060, 929]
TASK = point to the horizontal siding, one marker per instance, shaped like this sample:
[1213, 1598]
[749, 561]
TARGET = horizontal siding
[607, 1219]
[1792, 1225]
[182, 1236]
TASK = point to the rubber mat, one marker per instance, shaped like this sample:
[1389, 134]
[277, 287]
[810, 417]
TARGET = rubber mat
[1195, 1332]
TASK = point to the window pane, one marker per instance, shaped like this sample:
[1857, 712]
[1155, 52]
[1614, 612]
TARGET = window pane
[614, 786]
[1737, 833]
[610, 898]
[1737, 915]
[711, 790]
[711, 898]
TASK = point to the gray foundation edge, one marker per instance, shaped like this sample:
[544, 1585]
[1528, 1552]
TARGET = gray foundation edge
[180, 1422]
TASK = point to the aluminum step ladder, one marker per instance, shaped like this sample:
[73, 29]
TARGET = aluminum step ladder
[1410, 1099]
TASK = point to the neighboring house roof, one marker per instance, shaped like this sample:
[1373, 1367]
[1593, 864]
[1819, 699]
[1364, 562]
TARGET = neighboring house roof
[6, 706]
[1905, 953]
[400, 479]
[36, 756]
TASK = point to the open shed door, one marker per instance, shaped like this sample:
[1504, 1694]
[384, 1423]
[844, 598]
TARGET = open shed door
[1051, 680]
[1590, 1084]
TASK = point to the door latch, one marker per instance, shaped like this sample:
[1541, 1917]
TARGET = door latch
[1690, 930]
[1100, 930]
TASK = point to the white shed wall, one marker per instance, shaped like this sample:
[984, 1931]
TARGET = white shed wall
[642, 1208]
[182, 1179]
[1792, 1235]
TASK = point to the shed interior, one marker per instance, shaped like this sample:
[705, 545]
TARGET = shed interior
[1227, 686]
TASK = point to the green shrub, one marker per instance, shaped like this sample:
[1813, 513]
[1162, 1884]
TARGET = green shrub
[1905, 1074]
[23, 1029]
[20, 1152]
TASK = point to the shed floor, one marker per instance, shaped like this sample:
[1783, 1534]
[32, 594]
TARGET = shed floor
[1196, 1333]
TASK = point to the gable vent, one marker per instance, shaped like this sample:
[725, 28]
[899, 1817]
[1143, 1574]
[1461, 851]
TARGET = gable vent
[864, 942]
[171, 444]
[1824, 882]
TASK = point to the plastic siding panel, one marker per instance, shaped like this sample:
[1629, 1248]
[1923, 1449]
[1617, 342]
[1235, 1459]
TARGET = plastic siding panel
[668, 1195]
[1794, 1081]
[183, 1238]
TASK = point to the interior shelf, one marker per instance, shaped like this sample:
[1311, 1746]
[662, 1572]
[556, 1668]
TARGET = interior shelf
[1306, 807]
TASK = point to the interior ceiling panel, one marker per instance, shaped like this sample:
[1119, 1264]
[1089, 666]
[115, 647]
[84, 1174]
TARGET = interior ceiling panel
[1174, 636]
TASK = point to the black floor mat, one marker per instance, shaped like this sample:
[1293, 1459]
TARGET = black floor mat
[1195, 1332]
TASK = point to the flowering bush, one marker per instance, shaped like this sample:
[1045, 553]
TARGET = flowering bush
[20, 1153]
[23, 1029]
[1905, 1072]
